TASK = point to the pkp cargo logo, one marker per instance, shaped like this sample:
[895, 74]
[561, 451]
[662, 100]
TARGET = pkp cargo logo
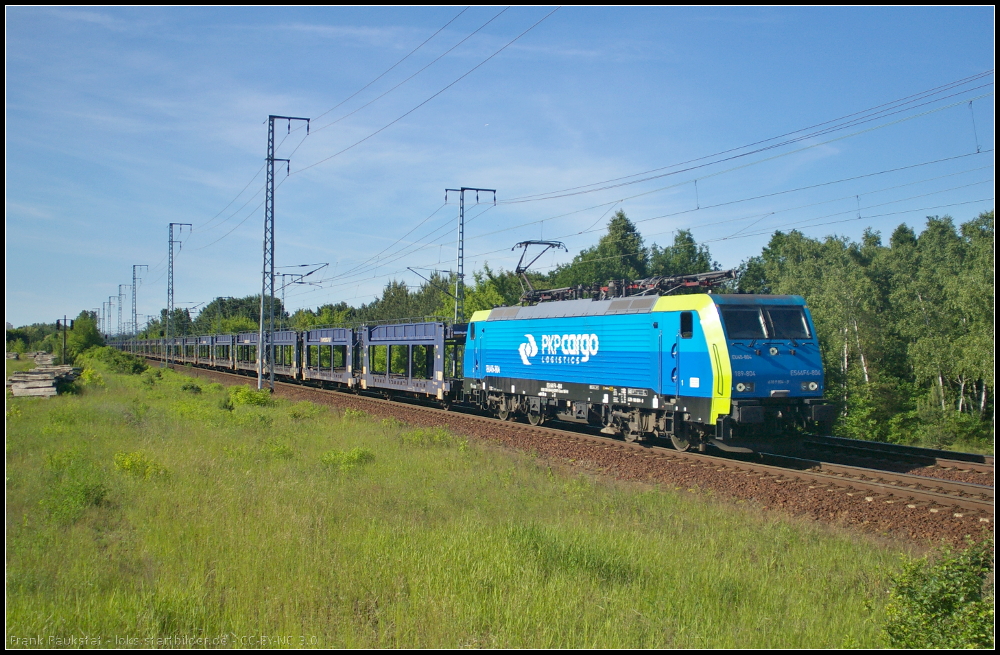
[560, 348]
[528, 349]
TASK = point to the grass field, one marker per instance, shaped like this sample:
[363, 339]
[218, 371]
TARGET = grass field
[148, 508]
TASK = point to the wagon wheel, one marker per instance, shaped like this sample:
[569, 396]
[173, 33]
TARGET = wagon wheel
[503, 412]
[631, 435]
[536, 418]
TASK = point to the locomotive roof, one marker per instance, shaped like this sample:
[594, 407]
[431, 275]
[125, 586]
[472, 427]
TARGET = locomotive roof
[630, 305]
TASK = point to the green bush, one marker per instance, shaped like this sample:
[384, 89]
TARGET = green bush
[111, 359]
[191, 387]
[945, 603]
[138, 465]
[346, 460]
[244, 395]
[304, 410]
[90, 377]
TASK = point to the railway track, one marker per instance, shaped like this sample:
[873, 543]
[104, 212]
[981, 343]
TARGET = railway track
[895, 452]
[892, 485]
[900, 491]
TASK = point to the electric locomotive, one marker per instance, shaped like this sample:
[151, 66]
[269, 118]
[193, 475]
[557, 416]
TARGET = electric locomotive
[699, 368]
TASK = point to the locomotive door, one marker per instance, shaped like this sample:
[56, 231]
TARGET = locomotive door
[477, 351]
[659, 362]
[680, 356]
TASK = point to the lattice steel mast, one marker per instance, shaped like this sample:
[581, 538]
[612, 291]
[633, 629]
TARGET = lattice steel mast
[460, 278]
[265, 339]
[170, 287]
[135, 317]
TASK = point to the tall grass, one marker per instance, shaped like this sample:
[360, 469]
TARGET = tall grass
[150, 510]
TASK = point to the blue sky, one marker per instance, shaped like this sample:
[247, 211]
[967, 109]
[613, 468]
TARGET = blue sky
[120, 121]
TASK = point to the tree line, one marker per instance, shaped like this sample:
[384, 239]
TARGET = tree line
[47, 337]
[905, 328]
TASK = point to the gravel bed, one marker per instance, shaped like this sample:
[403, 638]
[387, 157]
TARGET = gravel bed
[920, 522]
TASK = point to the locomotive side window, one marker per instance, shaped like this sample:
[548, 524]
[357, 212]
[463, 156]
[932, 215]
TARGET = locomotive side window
[687, 325]
[472, 331]
[787, 323]
[743, 322]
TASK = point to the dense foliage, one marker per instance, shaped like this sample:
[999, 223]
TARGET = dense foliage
[111, 359]
[943, 603]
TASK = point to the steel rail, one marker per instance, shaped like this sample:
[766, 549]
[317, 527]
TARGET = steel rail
[933, 457]
[974, 496]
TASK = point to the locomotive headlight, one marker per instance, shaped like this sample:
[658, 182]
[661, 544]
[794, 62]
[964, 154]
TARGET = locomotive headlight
[810, 386]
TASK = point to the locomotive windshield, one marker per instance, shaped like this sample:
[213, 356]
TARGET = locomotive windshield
[783, 322]
[787, 323]
[743, 322]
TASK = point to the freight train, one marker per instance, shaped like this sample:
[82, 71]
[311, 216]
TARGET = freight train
[696, 369]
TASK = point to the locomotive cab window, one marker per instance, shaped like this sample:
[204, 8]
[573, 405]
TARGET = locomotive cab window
[743, 322]
[787, 323]
[687, 325]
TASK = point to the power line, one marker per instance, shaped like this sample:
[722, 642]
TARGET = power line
[242, 191]
[753, 163]
[714, 174]
[451, 84]
[347, 275]
[388, 70]
[434, 61]
[369, 103]
[880, 114]
[731, 202]
[857, 218]
[353, 279]
[866, 115]
[348, 98]
[415, 246]
[769, 230]
[241, 208]
[813, 204]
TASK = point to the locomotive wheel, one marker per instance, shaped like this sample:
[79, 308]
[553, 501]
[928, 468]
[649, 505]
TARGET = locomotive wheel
[681, 441]
[536, 418]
